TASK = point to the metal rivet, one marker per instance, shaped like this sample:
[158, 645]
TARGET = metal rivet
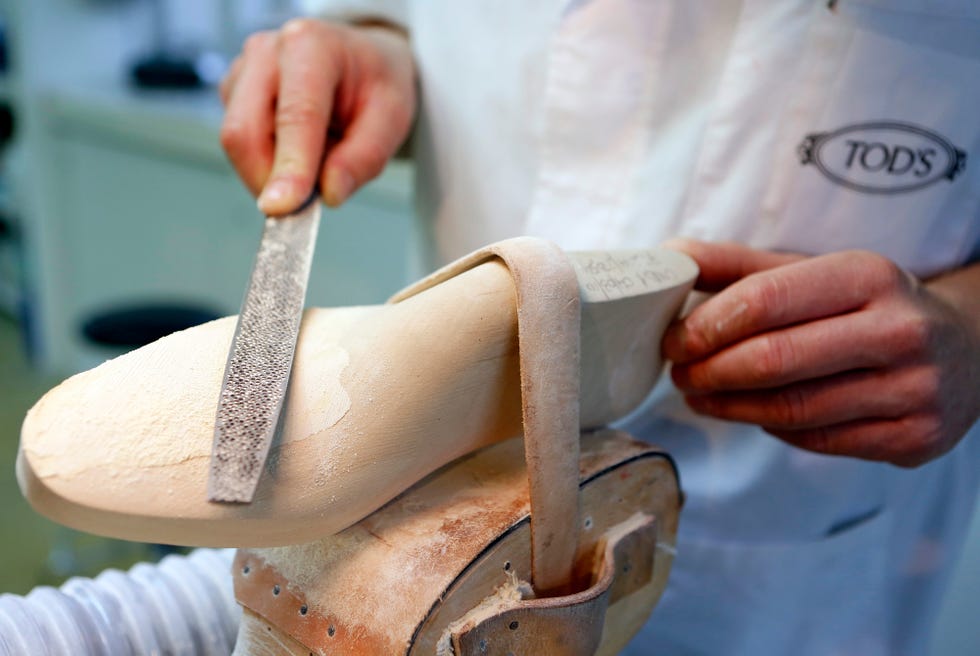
[513, 625]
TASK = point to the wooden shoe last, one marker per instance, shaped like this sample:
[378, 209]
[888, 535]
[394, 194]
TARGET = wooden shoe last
[379, 398]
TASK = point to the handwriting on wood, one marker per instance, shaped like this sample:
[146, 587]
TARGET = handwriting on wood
[608, 276]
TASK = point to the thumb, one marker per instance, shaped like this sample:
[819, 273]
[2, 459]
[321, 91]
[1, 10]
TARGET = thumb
[723, 263]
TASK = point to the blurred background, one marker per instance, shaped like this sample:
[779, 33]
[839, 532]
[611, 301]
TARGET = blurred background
[121, 221]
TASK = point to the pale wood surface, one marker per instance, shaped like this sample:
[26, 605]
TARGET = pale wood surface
[393, 582]
[380, 397]
[256, 637]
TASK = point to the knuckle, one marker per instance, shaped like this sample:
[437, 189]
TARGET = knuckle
[299, 28]
[289, 166]
[927, 390]
[884, 274]
[791, 408]
[697, 336]
[775, 358]
[232, 136]
[256, 42]
[299, 111]
[374, 157]
[920, 332]
[401, 120]
[399, 107]
[924, 437]
[770, 291]
[911, 335]
[934, 385]
[766, 296]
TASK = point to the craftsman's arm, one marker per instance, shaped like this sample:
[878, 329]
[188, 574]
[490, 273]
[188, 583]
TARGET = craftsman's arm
[844, 353]
[317, 102]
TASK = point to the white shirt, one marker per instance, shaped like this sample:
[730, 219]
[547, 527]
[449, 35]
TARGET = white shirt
[802, 125]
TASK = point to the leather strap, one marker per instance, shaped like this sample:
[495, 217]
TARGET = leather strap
[570, 625]
[548, 318]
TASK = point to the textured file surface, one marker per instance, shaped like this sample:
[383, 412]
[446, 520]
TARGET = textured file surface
[261, 355]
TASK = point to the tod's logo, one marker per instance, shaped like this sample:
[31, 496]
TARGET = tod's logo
[883, 157]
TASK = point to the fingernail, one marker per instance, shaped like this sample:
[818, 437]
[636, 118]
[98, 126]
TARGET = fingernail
[272, 197]
[340, 184]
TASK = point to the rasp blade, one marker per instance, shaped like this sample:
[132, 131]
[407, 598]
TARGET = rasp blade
[261, 355]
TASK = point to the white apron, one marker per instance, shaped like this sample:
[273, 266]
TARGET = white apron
[803, 125]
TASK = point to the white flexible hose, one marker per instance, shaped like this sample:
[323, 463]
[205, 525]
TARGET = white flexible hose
[183, 606]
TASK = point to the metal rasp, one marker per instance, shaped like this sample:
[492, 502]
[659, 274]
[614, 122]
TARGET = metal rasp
[261, 355]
